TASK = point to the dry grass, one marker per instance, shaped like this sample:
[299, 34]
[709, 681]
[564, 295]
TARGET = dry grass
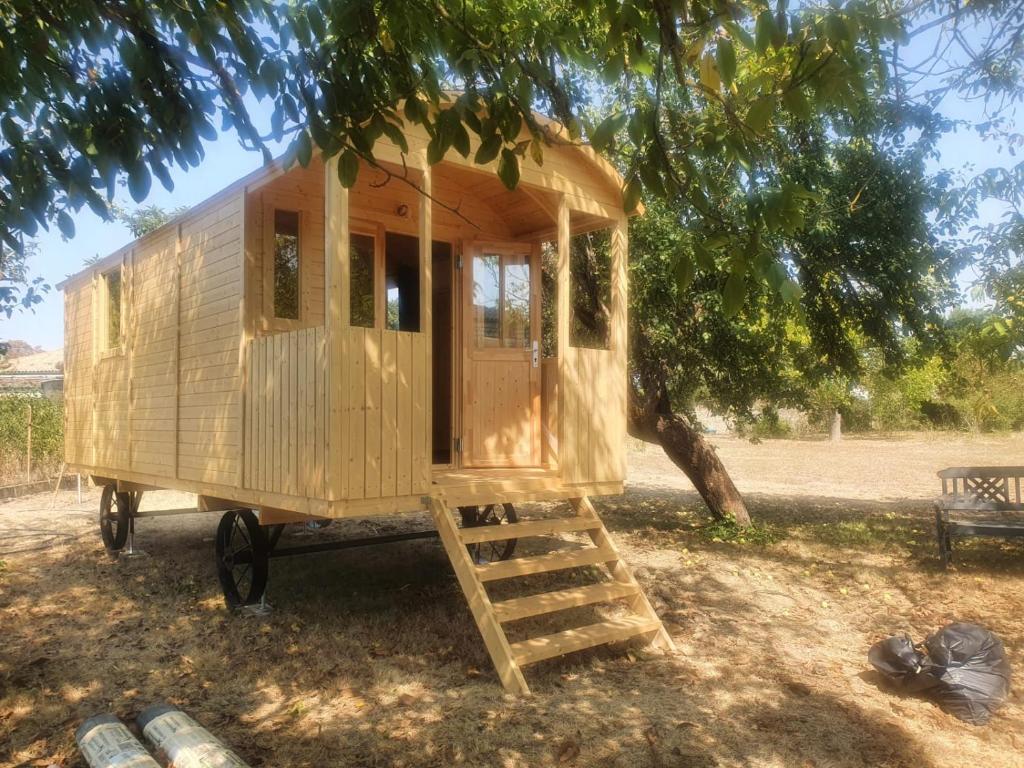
[371, 658]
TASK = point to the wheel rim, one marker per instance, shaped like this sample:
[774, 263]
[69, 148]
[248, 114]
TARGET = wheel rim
[114, 518]
[241, 558]
[492, 551]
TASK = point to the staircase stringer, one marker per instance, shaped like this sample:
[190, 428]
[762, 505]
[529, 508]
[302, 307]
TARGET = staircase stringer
[622, 573]
[480, 606]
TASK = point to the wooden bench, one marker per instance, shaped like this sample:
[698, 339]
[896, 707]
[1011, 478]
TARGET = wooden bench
[971, 500]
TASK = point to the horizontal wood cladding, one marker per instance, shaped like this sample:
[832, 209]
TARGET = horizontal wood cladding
[386, 404]
[209, 328]
[138, 407]
[286, 413]
[78, 384]
[153, 338]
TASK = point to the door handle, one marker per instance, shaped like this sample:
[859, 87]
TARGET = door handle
[536, 354]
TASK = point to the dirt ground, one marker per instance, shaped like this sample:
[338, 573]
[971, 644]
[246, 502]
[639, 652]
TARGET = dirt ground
[370, 656]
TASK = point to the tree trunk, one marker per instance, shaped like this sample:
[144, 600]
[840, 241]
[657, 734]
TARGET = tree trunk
[836, 426]
[696, 457]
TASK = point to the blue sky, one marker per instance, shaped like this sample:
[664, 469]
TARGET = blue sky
[226, 161]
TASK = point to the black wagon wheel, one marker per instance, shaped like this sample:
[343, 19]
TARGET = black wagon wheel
[242, 558]
[492, 514]
[115, 517]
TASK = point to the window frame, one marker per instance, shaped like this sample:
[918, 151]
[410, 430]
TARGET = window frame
[106, 348]
[272, 202]
[379, 232]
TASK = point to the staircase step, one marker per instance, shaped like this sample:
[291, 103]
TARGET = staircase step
[553, 561]
[549, 646]
[549, 602]
[530, 528]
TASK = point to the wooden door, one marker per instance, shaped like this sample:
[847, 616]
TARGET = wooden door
[501, 358]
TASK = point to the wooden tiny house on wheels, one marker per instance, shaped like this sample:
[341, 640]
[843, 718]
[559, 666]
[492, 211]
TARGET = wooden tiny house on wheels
[304, 351]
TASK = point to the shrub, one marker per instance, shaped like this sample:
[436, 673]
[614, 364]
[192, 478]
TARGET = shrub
[47, 436]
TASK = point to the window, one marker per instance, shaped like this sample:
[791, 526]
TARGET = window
[402, 282]
[362, 309]
[286, 265]
[501, 300]
[112, 302]
[590, 294]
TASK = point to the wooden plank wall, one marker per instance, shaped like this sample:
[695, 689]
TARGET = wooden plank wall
[111, 379]
[209, 375]
[594, 419]
[387, 414]
[286, 413]
[78, 383]
[299, 189]
[152, 349]
[593, 389]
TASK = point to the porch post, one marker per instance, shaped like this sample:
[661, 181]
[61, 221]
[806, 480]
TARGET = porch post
[422, 466]
[565, 442]
[619, 330]
[336, 323]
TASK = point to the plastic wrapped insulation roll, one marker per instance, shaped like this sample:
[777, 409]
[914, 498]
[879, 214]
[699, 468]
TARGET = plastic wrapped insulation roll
[105, 742]
[183, 741]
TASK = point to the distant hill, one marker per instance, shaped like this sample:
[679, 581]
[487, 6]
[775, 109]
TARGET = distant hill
[19, 348]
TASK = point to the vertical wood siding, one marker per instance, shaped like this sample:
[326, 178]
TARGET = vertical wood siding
[286, 413]
[387, 412]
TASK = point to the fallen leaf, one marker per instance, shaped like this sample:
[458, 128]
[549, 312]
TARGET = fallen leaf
[567, 751]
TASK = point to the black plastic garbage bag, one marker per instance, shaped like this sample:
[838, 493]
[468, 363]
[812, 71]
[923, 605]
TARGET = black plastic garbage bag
[963, 667]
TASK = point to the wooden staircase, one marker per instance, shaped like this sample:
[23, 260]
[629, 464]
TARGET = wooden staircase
[509, 658]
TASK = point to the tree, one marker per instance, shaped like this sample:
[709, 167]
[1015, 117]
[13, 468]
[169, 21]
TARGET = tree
[863, 267]
[695, 101]
[95, 92]
[18, 291]
[146, 219]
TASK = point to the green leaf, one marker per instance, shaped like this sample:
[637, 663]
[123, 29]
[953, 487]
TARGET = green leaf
[703, 257]
[436, 150]
[725, 56]
[637, 128]
[66, 225]
[488, 149]
[603, 134]
[303, 148]
[760, 113]
[764, 32]
[790, 290]
[733, 294]
[139, 182]
[415, 110]
[709, 76]
[394, 133]
[684, 272]
[460, 139]
[741, 34]
[537, 151]
[631, 194]
[508, 168]
[796, 103]
[348, 168]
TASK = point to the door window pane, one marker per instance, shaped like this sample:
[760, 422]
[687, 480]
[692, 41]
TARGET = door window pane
[487, 299]
[361, 310]
[501, 300]
[402, 282]
[286, 264]
[516, 304]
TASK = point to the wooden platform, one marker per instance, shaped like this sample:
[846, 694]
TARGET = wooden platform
[458, 487]
[509, 658]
